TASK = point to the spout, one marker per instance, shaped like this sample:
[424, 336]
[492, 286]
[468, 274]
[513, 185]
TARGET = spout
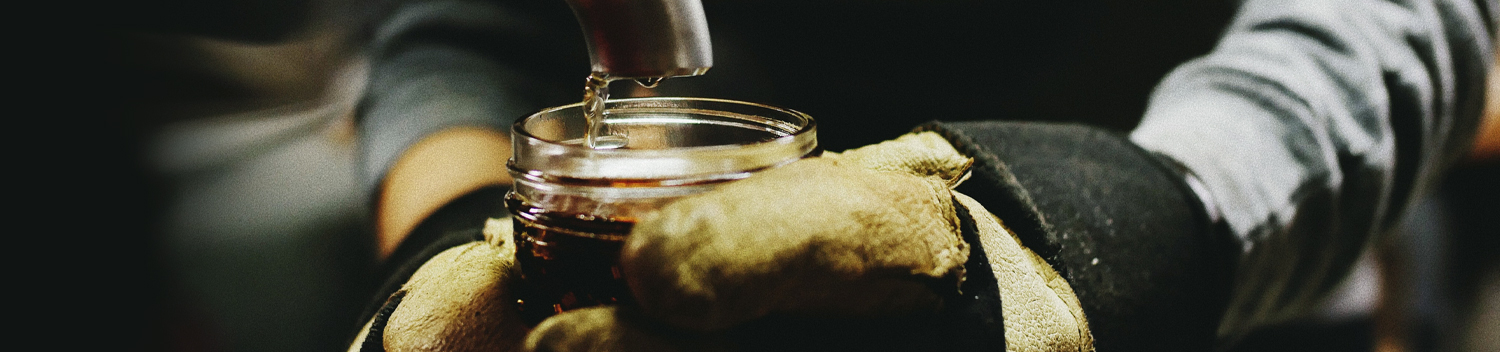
[645, 38]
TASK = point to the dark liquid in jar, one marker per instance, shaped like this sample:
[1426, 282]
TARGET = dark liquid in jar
[568, 260]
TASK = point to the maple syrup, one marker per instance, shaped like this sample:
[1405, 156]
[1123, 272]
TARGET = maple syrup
[570, 260]
[573, 204]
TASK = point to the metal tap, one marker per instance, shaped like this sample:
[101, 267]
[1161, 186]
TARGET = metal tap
[645, 39]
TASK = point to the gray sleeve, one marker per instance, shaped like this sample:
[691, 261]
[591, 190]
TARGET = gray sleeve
[438, 64]
[1311, 126]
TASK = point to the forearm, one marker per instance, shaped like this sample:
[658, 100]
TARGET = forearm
[434, 172]
[447, 78]
[434, 127]
[1121, 227]
[1312, 124]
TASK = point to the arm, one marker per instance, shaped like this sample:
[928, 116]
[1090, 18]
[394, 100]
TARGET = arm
[1312, 125]
[434, 172]
[447, 79]
[1297, 140]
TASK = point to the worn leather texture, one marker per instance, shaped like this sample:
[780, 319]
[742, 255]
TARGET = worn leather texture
[1122, 228]
[869, 248]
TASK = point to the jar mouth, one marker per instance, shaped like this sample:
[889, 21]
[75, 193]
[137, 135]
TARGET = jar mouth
[671, 140]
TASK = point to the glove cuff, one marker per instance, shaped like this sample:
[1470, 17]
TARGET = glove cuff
[1121, 227]
[994, 185]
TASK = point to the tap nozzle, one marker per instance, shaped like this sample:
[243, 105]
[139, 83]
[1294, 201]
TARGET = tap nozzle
[645, 39]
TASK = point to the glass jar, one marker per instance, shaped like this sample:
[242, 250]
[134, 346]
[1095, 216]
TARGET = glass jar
[573, 206]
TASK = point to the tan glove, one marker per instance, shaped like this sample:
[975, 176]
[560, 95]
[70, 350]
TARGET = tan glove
[865, 234]
[870, 233]
[1041, 312]
[460, 300]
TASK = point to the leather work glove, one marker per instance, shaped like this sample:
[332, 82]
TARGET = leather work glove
[1076, 240]
[1128, 243]
[872, 234]
[460, 299]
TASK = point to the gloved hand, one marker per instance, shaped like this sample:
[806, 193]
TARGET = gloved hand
[868, 235]
[458, 300]
[1108, 243]
[1148, 263]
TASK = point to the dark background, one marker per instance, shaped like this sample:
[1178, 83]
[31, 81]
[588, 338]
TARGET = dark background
[867, 70]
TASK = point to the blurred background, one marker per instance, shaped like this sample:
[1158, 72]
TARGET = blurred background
[251, 229]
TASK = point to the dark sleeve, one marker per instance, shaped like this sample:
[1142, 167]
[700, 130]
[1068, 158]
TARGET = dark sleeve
[439, 64]
[1116, 221]
[1313, 124]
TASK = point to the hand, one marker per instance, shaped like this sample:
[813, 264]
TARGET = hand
[815, 237]
[459, 300]
[867, 248]
[873, 234]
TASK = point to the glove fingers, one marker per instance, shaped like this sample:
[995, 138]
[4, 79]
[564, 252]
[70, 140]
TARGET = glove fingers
[611, 328]
[460, 300]
[616, 328]
[811, 238]
[1041, 312]
[919, 153]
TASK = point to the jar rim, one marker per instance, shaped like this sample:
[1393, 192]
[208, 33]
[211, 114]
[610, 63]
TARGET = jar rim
[792, 135]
